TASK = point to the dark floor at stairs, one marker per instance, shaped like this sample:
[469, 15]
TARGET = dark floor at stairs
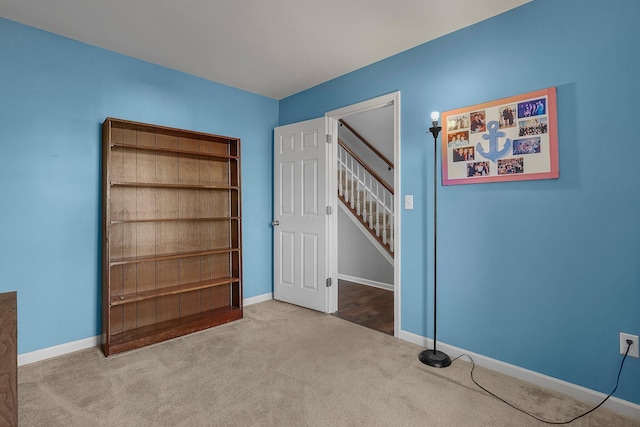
[366, 306]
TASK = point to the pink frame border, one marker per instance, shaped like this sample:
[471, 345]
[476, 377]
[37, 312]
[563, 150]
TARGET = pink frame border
[550, 93]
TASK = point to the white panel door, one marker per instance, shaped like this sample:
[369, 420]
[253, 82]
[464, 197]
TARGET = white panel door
[300, 223]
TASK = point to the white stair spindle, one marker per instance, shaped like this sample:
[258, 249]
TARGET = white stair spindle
[384, 219]
[365, 199]
[347, 192]
[352, 201]
[372, 209]
[340, 172]
[359, 190]
[391, 222]
[378, 217]
[367, 214]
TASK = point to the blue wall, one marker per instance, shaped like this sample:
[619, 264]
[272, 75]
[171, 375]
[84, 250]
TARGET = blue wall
[539, 274]
[54, 95]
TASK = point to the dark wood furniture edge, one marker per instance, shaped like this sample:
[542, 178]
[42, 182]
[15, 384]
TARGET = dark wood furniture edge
[170, 131]
[8, 359]
[163, 331]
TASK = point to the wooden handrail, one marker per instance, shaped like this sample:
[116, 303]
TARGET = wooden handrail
[362, 162]
[368, 144]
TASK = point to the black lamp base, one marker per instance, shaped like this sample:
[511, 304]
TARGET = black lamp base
[434, 358]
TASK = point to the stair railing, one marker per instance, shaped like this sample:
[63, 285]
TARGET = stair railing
[367, 194]
[367, 143]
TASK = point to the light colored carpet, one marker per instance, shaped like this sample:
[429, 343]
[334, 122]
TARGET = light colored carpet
[280, 366]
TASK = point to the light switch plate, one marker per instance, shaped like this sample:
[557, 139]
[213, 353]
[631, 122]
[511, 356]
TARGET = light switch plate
[408, 201]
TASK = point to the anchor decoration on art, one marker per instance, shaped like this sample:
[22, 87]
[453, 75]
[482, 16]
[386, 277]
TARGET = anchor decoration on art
[493, 134]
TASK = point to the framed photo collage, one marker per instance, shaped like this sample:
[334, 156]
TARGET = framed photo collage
[510, 139]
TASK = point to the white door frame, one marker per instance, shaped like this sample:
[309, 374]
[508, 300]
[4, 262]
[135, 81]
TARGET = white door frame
[332, 123]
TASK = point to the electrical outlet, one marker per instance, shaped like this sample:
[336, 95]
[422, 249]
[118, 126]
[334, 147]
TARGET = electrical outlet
[634, 351]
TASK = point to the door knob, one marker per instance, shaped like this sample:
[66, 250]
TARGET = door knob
[275, 223]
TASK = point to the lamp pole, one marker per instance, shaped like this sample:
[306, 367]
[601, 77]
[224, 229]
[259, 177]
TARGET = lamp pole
[435, 358]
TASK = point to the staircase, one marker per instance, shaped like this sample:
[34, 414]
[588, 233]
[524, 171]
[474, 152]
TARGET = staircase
[367, 196]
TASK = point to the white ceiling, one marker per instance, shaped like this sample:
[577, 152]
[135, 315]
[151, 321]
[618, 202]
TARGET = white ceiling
[271, 47]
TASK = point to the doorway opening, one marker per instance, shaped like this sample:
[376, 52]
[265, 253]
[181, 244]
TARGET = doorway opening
[368, 289]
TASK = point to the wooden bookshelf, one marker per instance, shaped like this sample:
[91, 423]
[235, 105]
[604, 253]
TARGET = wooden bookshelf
[172, 256]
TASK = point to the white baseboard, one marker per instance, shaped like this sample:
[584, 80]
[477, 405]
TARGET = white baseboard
[258, 298]
[70, 347]
[584, 394]
[385, 286]
[58, 350]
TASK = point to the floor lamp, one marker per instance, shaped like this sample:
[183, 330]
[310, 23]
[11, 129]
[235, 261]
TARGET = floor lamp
[435, 358]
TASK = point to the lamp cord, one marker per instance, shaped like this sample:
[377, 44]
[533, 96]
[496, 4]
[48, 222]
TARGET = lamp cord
[473, 365]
